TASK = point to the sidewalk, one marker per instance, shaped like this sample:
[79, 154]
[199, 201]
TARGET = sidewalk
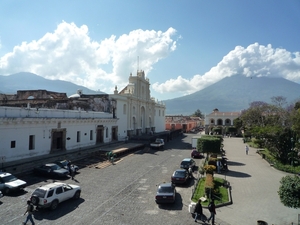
[254, 189]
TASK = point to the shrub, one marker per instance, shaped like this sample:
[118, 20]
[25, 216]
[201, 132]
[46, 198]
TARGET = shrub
[209, 169]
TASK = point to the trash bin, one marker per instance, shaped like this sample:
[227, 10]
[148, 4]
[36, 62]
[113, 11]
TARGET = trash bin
[263, 155]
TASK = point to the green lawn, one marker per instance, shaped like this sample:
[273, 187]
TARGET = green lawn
[220, 192]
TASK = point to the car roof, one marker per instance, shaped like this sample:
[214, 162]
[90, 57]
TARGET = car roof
[165, 184]
[180, 170]
[187, 159]
[50, 164]
[51, 185]
[4, 174]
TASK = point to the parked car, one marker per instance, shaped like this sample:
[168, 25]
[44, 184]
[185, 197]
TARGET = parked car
[51, 169]
[180, 176]
[188, 163]
[166, 193]
[9, 183]
[50, 195]
[196, 154]
[159, 143]
[64, 164]
[1, 195]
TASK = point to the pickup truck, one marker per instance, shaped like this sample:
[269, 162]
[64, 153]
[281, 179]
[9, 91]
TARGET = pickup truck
[159, 143]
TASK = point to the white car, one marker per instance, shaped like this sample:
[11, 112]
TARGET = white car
[50, 195]
[9, 183]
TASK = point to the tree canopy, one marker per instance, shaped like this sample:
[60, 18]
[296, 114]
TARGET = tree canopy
[198, 113]
[289, 191]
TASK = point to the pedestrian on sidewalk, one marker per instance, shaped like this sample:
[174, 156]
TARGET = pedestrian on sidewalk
[198, 211]
[29, 211]
[219, 166]
[247, 149]
[190, 171]
[212, 210]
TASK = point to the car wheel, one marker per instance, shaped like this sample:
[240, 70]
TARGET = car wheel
[54, 205]
[77, 195]
[35, 200]
[6, 191]
[76, 170]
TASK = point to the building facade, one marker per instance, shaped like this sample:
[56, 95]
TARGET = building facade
[40, 122]
[184, 123]
[219, 119]
[137, 111]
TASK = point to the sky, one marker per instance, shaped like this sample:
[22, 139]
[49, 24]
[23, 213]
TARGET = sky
[183, 46]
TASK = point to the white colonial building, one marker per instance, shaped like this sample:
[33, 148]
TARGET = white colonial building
[219, 119]
[137, 111]
[51, 122]
[28, 132]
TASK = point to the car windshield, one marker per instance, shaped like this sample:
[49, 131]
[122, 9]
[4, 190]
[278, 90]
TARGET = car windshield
[55, 167]
[179, 173]
[62, 163]
[40, 193]
[165, 189]
[185, 163]
[9, 178]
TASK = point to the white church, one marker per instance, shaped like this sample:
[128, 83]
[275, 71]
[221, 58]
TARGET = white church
[27, 132]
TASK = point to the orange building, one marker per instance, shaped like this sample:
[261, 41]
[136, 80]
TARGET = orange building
[185, 123]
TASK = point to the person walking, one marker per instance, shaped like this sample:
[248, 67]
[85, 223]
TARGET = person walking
[29, 211]
[71, 169]
[247, 149]
[198, 211]
[212, 210]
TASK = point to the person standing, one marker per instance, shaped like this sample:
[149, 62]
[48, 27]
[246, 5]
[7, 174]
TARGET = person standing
[212, 210]
[247, 149]
[190, 171]
[71, 171]
[219, 166]
[29, 212]
[198, 211]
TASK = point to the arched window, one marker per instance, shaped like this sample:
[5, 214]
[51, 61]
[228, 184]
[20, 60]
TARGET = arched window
[227, 122]
[106, 132]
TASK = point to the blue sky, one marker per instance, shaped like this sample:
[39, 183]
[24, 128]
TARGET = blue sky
[183, 46]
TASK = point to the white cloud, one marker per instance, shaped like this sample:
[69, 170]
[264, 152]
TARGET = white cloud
[69, 54]
[254, 61]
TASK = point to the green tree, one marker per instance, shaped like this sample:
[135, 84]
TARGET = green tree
[238, 123]
[289, 191]
[198, 113]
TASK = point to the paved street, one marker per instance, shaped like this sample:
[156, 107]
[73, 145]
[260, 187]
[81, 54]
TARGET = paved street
[124, 193]
[254, 189]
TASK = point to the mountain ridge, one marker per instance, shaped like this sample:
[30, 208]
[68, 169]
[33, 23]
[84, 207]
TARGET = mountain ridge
[234, 93]
[230, 94]
[30, 81]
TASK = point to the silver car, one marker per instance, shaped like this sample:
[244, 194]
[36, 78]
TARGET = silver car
[9, 183]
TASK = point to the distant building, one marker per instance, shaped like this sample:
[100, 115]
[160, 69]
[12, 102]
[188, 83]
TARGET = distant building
[185, 123]
[40, 122]
[219, 119]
